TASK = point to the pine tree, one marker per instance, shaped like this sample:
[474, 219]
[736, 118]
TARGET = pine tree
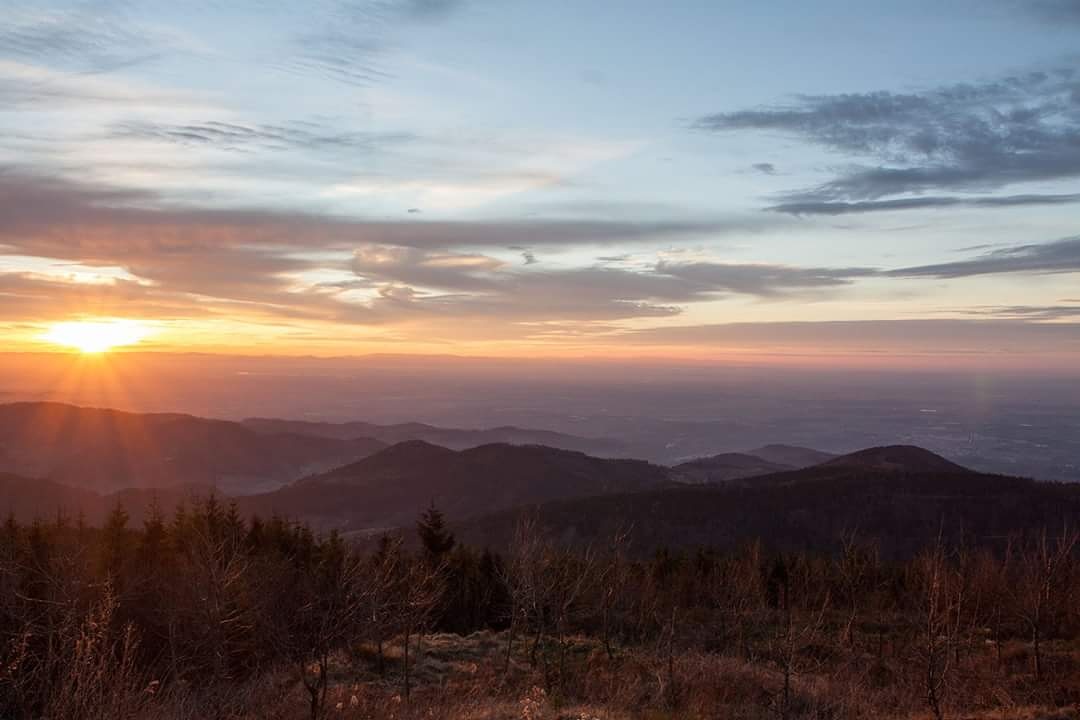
[437, 539]
[114, 545]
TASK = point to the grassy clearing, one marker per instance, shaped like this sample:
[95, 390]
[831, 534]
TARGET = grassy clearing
[467, 678]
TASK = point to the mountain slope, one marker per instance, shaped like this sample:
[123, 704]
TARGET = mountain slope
[453, 438]
[109, 449]
[392, 487]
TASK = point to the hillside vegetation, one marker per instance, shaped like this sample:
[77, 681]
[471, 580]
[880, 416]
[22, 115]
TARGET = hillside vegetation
[207, 615]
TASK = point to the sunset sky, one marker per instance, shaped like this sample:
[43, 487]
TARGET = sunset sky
[827, 181]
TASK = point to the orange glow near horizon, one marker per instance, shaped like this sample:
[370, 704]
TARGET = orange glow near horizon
[96, 336]
[108, 336]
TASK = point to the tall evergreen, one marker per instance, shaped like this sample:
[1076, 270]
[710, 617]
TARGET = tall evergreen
[438, 541]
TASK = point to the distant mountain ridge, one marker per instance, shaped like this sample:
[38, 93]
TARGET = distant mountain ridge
[899, 496]
[793, 456]
[453, 438]
[725, 467]
[766, 460]
[106, 450]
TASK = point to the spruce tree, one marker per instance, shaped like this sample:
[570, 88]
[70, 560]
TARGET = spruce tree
[437, 539]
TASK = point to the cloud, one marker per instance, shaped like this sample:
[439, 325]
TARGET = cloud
[90, 37]
[811, 207]
[351, 36]
[957, 137]
[1060, 256]
[31, 86]
[1028, 312]
[764, 167]
[762, 280]
[295, 265]
[234, 136]
[336, 269]
[471, 285]
[41, 208]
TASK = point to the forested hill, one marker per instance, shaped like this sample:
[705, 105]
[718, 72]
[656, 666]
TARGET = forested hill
[812, 509]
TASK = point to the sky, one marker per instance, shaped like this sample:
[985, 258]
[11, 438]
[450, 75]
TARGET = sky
[820, 183]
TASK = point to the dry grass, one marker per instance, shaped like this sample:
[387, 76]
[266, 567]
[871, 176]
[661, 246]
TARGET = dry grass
[462, 678]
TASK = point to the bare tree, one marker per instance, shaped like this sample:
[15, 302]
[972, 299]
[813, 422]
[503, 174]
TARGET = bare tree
[801, 619]
[1038, 586]
[386, 575]
[855, 567]
[944, 622]
[548, 587]
[612, 579]
[423, 587]
[521, 578]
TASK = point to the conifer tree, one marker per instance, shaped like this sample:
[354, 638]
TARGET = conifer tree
[437, 539]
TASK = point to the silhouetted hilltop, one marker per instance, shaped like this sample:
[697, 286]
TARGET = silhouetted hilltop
[896, 458]
[393, 486]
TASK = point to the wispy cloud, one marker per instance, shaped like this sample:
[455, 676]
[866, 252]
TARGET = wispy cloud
[88, 37]
[810, 207]
[957, 137]
[1060, 256]
[350, 37]
[306, 135]
[1064, 311]
[762, 280]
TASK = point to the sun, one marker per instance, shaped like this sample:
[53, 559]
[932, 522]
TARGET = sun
[96, 336]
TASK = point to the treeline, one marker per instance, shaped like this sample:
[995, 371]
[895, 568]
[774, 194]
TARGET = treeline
[117, 621]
